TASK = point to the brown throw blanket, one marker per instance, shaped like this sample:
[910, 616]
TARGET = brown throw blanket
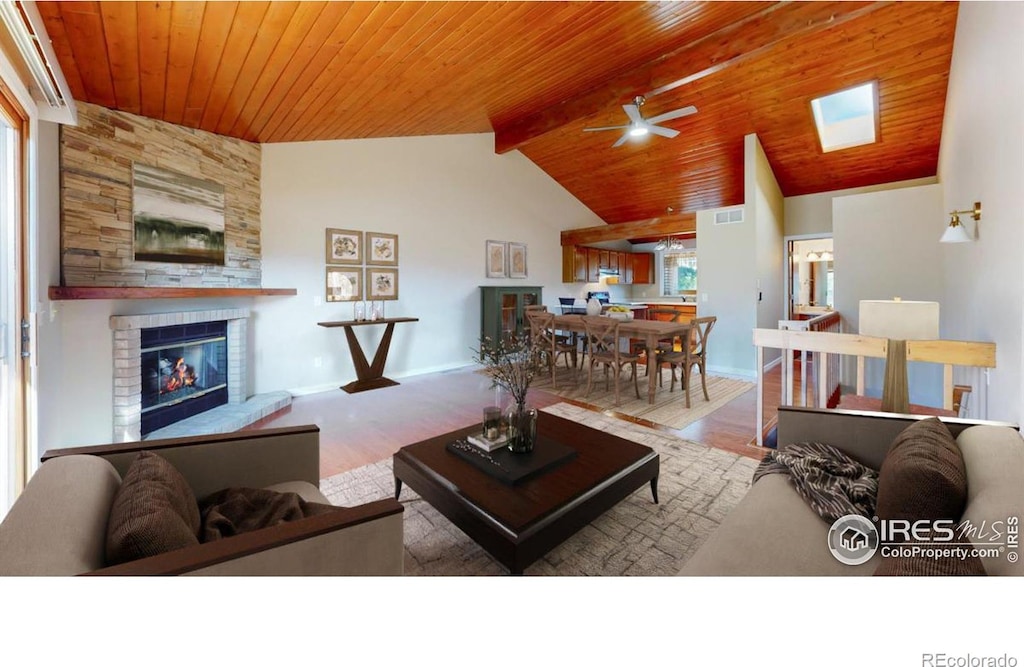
[832, 483]
[239, 510]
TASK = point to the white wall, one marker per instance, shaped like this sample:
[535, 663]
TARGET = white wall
[982, 159]
[812, 214]
[887, 245]
[765, 202]
[727, 275]
[444, 196]
[49, 362]
[736, 262]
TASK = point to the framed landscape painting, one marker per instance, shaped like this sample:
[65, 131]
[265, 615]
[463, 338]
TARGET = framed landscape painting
[495, 258]
[176, 217]
[381, 249]
[344, 284]
[516, 260]
[344, 246]
[382, 284]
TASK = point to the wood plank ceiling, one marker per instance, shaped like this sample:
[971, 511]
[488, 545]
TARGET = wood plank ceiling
[536, 74]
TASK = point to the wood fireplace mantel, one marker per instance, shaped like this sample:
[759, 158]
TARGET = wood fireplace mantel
[72, 293]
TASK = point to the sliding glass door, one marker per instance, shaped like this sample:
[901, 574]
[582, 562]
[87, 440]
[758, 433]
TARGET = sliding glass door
[12, 392]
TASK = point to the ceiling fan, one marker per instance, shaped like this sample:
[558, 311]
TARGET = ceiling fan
[639, 126]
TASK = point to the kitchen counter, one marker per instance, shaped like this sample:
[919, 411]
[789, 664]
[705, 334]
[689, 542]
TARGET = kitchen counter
[666, 301]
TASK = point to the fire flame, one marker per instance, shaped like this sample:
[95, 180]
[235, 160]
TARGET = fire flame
[182, 375]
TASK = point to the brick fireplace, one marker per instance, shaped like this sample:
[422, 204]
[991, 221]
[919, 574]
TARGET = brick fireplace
[128, 370]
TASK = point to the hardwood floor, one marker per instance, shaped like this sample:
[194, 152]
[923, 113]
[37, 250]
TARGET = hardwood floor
[358, 429]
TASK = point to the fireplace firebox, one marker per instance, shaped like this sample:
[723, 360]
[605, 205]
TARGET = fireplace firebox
[184, 372]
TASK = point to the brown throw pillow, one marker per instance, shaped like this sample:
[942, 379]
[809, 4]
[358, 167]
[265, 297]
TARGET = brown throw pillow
[925, 564]
[154, 511]
[923, 475]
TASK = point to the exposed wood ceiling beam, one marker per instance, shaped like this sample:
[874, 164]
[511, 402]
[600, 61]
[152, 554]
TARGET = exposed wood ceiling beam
[735, 44]
[676, 225]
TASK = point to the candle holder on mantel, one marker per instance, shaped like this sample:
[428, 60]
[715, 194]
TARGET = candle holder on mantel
[358, 311]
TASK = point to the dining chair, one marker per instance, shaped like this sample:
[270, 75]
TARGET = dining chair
[567, 304]
[665, 344]
[694, 354]
[545, 342]
[602, 338]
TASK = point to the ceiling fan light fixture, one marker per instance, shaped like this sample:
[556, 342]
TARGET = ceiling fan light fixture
[637, 131]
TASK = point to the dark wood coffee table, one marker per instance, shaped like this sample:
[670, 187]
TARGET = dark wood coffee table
[519, 524]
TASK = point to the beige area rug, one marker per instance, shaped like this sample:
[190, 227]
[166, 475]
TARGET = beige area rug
[697, 486]
[669, 407]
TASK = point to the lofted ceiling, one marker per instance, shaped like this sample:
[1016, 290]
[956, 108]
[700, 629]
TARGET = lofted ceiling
[536, 74]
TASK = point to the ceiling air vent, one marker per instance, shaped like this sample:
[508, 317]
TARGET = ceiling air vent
[730, 217]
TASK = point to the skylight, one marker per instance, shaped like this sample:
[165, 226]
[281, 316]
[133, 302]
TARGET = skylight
[847, 118]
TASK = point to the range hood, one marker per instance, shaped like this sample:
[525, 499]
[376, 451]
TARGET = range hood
[607, 272]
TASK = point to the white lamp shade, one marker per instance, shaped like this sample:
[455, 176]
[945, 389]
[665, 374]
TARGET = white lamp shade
[900, 320]
[955, 234]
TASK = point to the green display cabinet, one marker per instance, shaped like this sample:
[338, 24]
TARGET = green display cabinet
[503, 310]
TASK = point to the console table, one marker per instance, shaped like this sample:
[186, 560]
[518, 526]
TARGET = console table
[369, 377]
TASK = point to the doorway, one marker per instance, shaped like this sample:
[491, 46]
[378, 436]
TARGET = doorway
[810, 276]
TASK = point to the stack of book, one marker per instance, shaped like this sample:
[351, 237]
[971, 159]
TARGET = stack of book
[483, 442]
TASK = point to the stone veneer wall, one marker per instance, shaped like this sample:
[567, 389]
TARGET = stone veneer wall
[96, 199]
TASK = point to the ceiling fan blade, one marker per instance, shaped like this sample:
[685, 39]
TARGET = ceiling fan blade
[621, 140]
[599, 129]
[633, 111]
[672, 115]
[662, 131]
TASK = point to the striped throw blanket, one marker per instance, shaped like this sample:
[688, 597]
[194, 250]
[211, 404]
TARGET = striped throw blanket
[832, 483]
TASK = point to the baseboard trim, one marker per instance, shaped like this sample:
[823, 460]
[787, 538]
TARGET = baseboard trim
[734, 373]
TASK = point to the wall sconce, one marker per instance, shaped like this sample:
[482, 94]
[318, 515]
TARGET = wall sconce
[956, 232]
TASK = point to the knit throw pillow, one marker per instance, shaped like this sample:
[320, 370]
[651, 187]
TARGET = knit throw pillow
[154, 511]
[923, 475]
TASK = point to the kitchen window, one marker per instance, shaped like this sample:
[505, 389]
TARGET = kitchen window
[679, 275]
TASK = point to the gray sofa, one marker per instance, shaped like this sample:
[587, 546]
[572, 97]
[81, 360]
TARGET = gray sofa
[58, 525]
[774, 532]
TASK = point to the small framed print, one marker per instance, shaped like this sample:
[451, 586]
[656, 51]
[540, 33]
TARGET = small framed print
[381, 249]
[495, 258]
[381, 284]
[344, 246]
[516, 260]
[344, 284]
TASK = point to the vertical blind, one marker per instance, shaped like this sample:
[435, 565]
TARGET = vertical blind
[672, 262]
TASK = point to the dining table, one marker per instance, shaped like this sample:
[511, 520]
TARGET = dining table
[649, 331]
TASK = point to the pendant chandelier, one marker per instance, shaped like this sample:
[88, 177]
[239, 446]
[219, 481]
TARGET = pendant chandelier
[669, 243]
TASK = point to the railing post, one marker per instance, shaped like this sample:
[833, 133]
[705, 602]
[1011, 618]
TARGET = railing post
[760, 396]
[823, 380]
[803, 378]
[947, 386]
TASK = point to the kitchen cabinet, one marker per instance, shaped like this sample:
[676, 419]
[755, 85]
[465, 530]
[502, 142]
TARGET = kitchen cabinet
[689, 310]
[643, 268]
[582, 264]
[503, 310]
[593, 265]
[574, 264]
